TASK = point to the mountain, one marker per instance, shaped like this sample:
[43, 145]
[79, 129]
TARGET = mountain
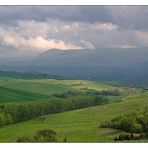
[98, 57]
[104, 64]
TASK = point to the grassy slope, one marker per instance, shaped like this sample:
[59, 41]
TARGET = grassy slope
[78, 125]
[36, 87]
[14, 95]
[14, 90]
[25, 90]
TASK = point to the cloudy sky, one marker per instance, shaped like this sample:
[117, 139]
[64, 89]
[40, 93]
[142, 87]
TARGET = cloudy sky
[35, 29]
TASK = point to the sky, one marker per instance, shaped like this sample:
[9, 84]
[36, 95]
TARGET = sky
[35, 29]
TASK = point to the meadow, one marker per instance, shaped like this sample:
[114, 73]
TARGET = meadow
[15, 90]
[79, 125]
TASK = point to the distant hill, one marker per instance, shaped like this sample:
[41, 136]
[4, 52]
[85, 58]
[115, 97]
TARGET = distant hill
[102, 64]
[98, 57]
[28, 75]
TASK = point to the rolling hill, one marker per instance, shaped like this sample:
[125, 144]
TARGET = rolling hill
[15, 90]
[78, 125]
[81, 125]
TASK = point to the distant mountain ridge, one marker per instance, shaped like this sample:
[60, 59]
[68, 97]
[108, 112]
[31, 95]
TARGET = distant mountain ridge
[118, 57]
[109, 64]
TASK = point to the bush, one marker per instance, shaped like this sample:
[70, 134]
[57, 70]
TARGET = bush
[133, 122]
[5, 119]
[131, 136]
[45, 136]
[123, 136]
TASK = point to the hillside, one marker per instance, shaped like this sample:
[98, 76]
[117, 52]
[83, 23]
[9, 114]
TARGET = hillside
[78, 125]
[15, 90]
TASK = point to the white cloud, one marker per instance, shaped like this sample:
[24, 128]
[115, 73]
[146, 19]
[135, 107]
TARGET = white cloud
[87, 45]
[37, 36]
[40, 36]
[106, 26]
[39, 43]
[42, 43]
[71, 26]
[10, 41]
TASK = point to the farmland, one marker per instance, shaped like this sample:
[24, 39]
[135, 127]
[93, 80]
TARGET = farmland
[79, 125]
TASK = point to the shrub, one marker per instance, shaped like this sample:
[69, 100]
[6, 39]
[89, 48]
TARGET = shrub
[46, 135]
[123, 136]
[133, 122]
[131, 136]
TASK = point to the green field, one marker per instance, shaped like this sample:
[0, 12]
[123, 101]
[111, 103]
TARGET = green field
[81, 125]
[78, 125]
[26, 90]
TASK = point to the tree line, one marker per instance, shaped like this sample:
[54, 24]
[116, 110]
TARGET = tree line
[88, 92]
[17, 112]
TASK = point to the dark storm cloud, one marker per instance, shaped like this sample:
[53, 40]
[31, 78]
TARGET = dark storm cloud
[130, 17]
[9, 14]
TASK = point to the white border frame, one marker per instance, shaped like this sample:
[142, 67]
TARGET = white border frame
[74, 2]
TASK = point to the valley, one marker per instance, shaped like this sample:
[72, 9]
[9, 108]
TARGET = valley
[76, 124]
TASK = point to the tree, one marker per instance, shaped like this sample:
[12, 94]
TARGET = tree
[46, 135]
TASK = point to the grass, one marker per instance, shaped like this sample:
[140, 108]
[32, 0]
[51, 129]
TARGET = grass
[36, 87]
[14, 95]
[14, 90]
[138, 95]
[78, 125]
[24, 90]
